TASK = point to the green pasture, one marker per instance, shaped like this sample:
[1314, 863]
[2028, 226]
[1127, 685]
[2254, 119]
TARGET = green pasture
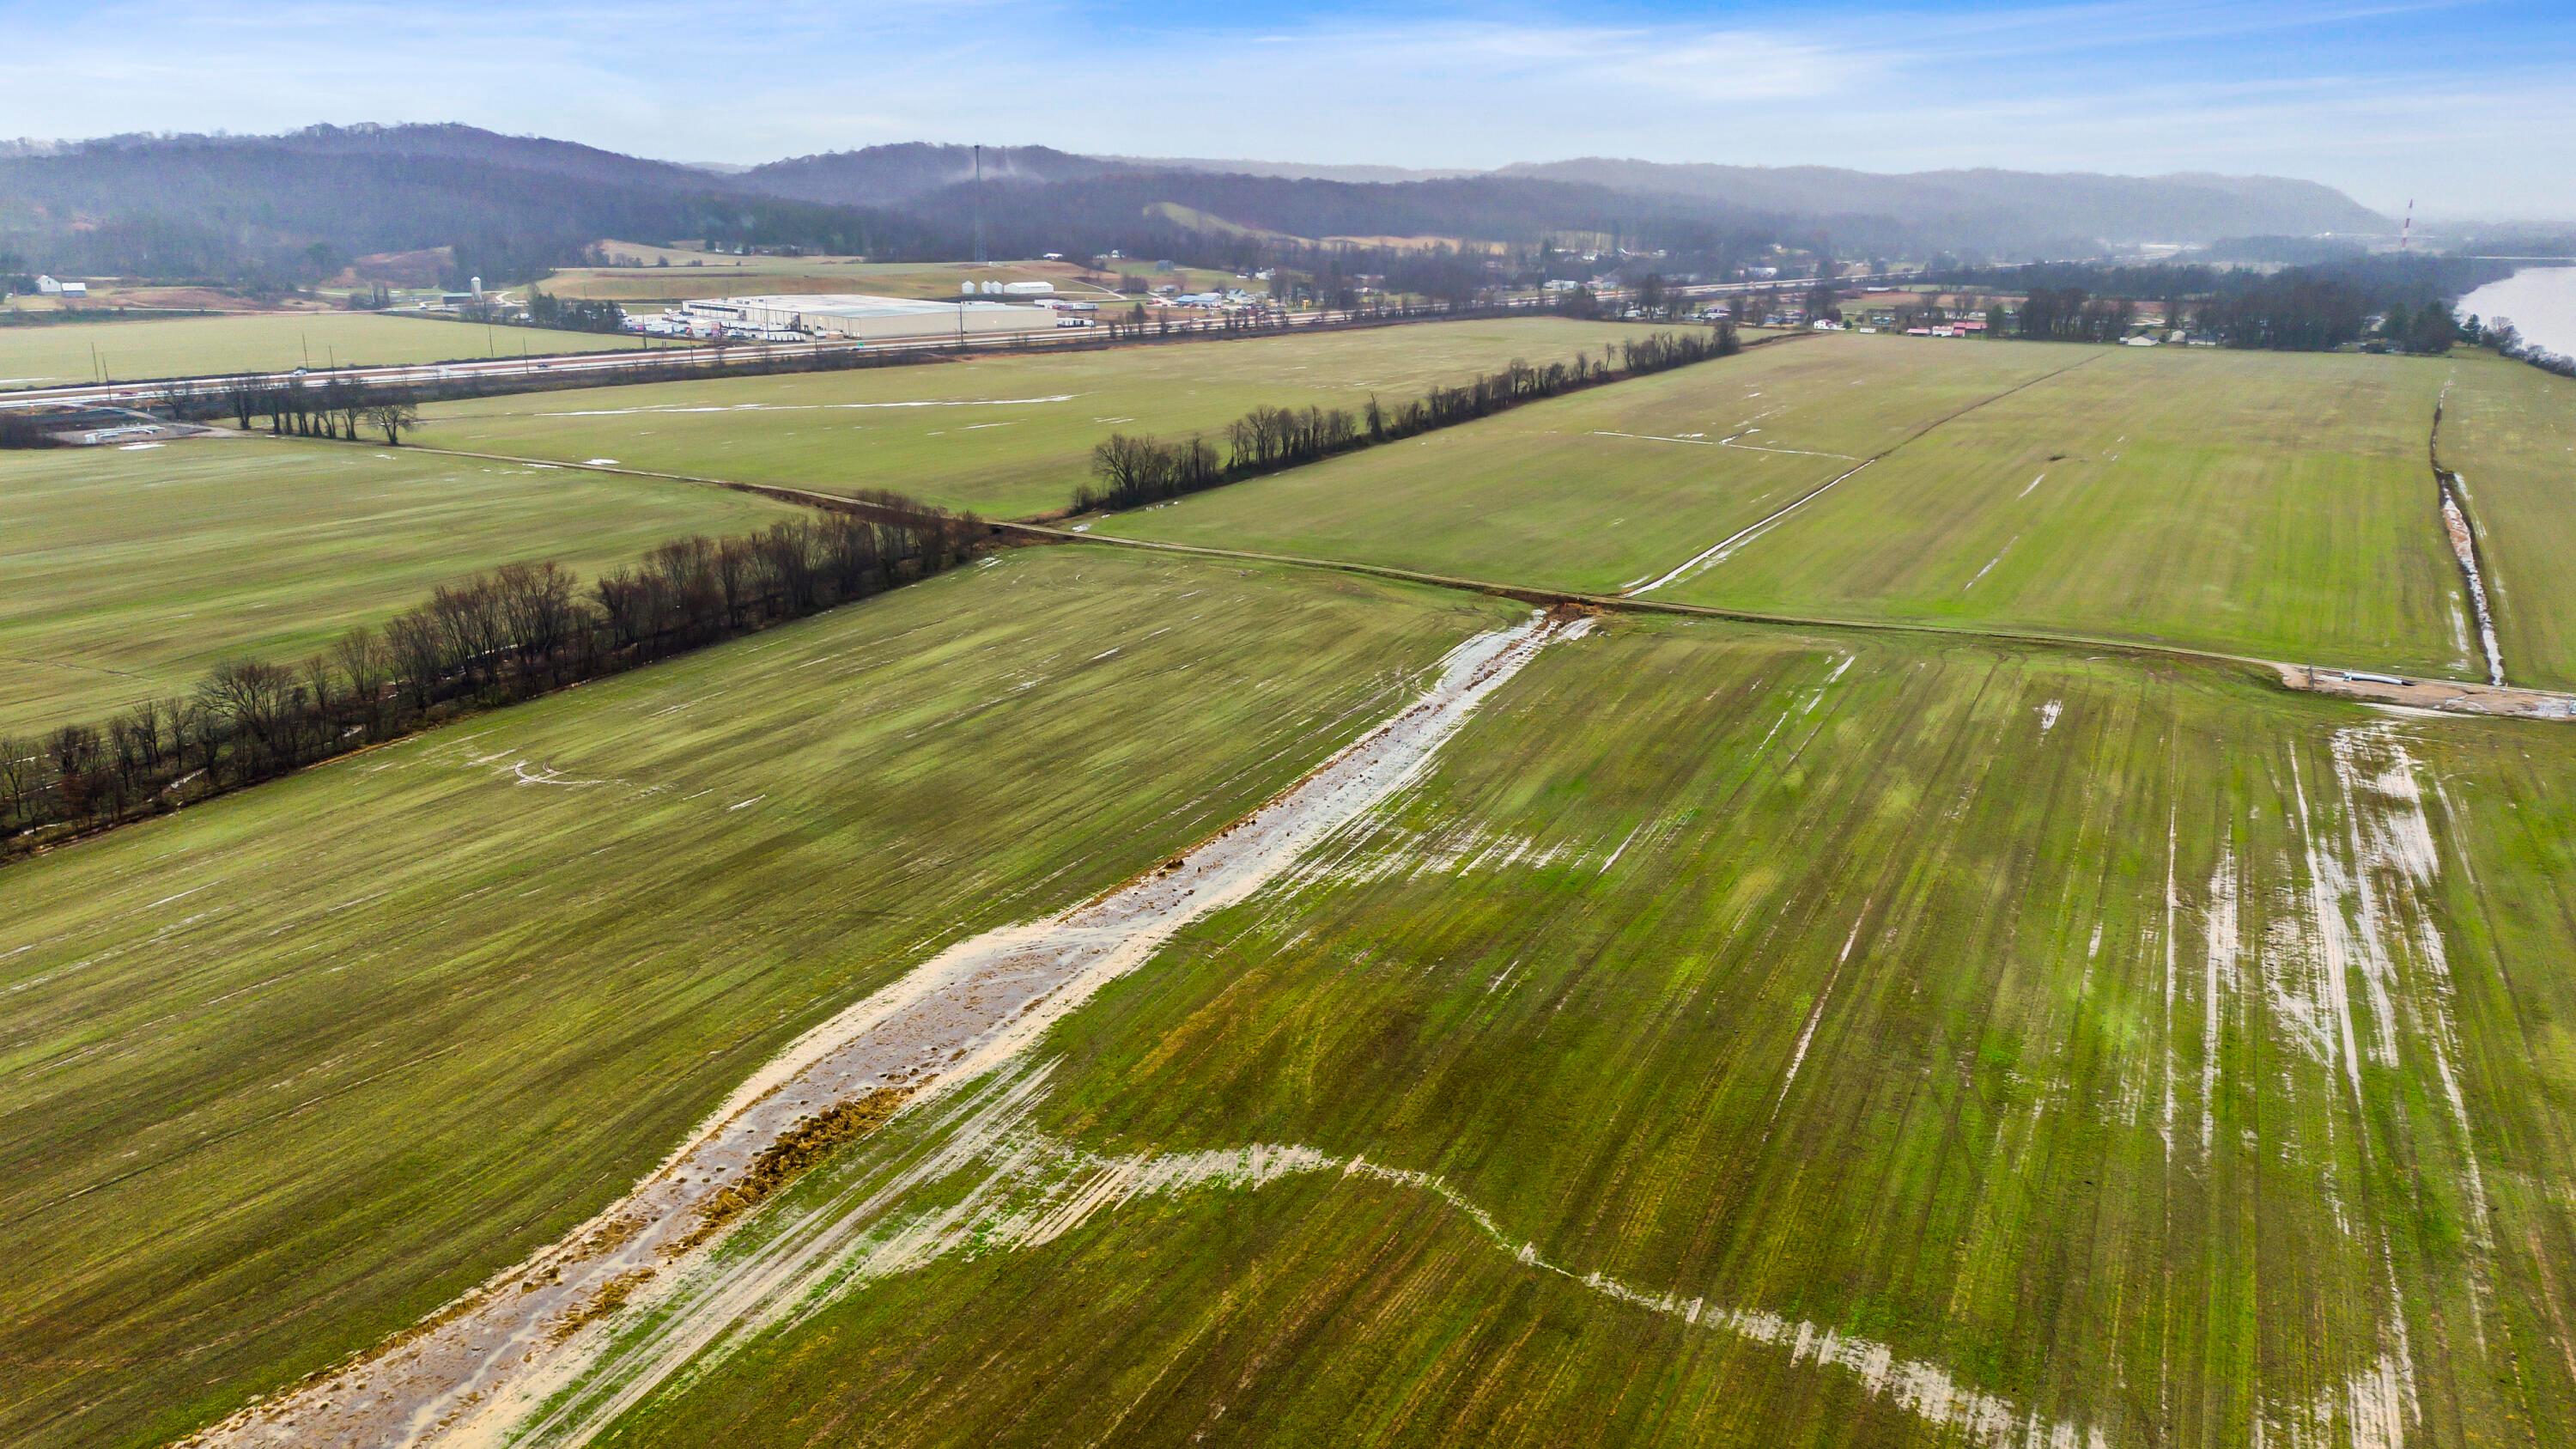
[284, 1072]
[714, 275]
[1609, 488]
[131, 571]
[1745, 1036]
[2273, 504]
[2509, 429]
[1005, 436]
[65, 353]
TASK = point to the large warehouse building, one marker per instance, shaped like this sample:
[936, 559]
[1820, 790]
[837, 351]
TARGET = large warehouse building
[842, 314]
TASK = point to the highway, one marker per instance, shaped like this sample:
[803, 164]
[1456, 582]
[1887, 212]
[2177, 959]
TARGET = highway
[633, 366]
[680, 361]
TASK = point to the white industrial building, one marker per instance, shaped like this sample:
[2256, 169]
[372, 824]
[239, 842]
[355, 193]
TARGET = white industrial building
[850, 315]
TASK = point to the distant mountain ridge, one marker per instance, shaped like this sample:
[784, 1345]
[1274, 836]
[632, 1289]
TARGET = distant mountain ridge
[2182, 207]
[1985, 207]
[302, 204]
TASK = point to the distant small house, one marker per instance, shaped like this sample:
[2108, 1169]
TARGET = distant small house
[2140, 342]
[75, 289]
[49, 286]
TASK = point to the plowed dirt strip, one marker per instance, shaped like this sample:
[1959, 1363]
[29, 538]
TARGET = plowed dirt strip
[469, 1375]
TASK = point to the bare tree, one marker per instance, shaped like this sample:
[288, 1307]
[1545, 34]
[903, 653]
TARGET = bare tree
[363, 666]
[392, 416]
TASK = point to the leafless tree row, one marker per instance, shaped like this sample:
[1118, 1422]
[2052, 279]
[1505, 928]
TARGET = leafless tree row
[337, 407]
[1128, 471]
[500, 636]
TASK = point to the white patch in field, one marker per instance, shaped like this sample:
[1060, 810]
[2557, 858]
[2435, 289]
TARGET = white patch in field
[966, 1016]
[2033, 483]
[1029, 1189]
[2221, 974]
[1990, 563]
[2048, 714]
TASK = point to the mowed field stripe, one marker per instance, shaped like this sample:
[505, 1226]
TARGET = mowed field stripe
[1717, 552]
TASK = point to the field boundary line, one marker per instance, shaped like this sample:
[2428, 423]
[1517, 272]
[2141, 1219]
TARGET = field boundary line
[2459, 697]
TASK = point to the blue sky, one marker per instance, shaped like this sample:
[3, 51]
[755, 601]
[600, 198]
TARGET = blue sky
[2467, 106]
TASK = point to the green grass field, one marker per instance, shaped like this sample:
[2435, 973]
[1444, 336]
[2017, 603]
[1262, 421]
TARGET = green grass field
[722, 276]
[2510, 430]
[2271, 504]
[203, 346]
[2275, 504]
[1742, 1034]
[1610, 487]
[284, 1072]
[132, 571]
[1004, 436]
[1750, 1037]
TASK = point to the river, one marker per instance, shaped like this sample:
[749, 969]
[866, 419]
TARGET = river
[2539, 301]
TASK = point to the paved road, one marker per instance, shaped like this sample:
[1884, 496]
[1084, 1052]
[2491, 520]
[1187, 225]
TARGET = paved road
[677, 361]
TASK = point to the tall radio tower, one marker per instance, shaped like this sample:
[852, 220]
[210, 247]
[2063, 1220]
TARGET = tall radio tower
[2406, 233]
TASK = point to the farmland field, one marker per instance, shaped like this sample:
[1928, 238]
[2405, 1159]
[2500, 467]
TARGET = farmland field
[1764, 1038]
[2275, 504]
[202, 346]
[2510, 431]
[1612, 486]
[131, 571]
[288, 1070]
[1666, 1030]
[715, 275]
[1003, 436]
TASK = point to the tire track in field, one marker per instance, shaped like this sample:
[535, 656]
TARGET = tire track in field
[1718, 552]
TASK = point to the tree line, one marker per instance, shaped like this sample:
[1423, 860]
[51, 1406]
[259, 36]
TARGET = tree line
[567, 314]
[337, 407]
[497, 637]
[1129, 470]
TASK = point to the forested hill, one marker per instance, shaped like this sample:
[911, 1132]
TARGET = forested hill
[1989, 208]
[879, 175]
[291, 208]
